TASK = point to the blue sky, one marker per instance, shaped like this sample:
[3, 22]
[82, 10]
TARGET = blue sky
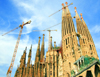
[14, 12]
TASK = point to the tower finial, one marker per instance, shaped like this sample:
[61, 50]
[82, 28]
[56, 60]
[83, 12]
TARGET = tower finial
[62, 5]
[39, 38]
[75, 9]
[81, 16]
[54, 43]
[66, 4]
[42, 49]
[50, 43]
[67, 9]
[77, 16]
[83, 19]
[63, 11]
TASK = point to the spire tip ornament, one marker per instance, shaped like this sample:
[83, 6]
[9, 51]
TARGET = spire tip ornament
[62, 4]
[39, 37]
[81, 16]
[75, 9]
[43, 34]
[66, 4]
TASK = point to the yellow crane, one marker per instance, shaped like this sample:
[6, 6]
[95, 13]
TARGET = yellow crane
[16, 47]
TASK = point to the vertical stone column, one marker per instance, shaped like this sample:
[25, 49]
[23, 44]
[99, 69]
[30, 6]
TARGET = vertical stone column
[78, 65]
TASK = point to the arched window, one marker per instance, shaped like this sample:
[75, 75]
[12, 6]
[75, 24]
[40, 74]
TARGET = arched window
[90, 47]
[66, 41]
[69, 64]
[83, 41]
[79, 64]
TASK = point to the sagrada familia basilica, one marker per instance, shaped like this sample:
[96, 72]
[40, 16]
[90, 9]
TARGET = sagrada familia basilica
[76, 57]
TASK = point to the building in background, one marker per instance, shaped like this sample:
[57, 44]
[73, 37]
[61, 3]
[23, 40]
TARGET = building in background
[74, 58]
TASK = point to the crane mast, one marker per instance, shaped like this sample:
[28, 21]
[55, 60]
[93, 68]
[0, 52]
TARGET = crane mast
[49, 36]
[14, 54]
[16, 47]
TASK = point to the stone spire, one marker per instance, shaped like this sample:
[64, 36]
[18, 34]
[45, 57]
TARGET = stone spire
[63, 10]
[42, 49]
[37, 59]
[92, 48]
[28, 63]
[82, 36]
[30, 70]
[29, 55]
[21, 59]
[77, 16]
[80, 28]
[51, 43]
[38, 51]
[24, 71]
[82, 19]
[54, 43]
[89, 37]
[24, 56]
[69, 40]
[67, 9]
[22, 64]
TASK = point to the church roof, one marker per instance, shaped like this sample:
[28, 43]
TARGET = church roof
[88, 62]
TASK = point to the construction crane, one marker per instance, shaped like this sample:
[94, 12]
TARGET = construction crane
[49, 36]
[60, 9]
[16, 47]
[47, 29]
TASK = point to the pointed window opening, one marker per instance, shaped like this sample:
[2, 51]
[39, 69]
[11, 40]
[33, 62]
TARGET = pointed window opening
[79, 64]
[50, 72]
[69, 28]
[66, 42]
[68, 39]
[83, 41]
[90, 47]
[69, 64]
[67, 55]
[50, 66]
[65, 31]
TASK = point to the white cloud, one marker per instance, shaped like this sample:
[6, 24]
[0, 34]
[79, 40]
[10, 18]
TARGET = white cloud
[36, 11]
[95, 29]
[7, 45]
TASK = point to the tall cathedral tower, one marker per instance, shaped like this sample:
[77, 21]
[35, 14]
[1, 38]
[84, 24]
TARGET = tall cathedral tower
[84, 46]
[51, 63]
[69, 41]
[37, 59]
[28, 62]
[42, 59]
[76, 57]
[91, 44]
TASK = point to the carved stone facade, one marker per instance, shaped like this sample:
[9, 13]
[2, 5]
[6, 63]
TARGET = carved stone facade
[60, 65]
[77, 56]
